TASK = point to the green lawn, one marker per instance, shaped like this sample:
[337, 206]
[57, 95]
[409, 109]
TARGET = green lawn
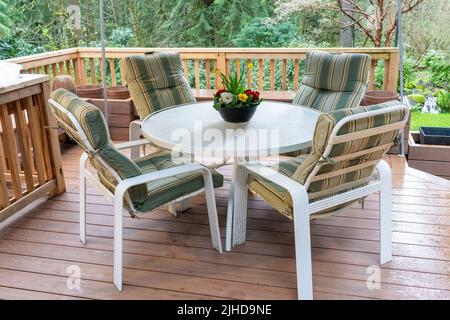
[419, 119]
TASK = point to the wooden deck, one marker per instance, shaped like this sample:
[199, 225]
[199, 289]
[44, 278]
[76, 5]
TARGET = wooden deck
[171, 258]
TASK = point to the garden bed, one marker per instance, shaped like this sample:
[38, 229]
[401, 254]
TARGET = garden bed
[433, 159]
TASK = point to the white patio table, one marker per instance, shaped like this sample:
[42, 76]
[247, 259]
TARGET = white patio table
[198, 129]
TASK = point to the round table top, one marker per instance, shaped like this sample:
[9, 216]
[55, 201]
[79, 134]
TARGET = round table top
[195, 128]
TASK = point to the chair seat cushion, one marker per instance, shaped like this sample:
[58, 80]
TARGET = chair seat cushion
[165, 190]
[278, 197]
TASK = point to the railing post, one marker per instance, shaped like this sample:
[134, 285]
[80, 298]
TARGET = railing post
[391, 72]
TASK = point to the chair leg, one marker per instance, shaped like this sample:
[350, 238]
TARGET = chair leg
[118, 242]
[302, 247]
[212, 210]
[135, 134]
[240, 207]
[83, 199]
[385, 213]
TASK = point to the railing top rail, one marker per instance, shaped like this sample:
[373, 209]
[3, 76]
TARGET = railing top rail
[120, 51]
[43, 56]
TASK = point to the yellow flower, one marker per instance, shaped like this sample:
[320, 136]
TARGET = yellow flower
[243, 97]
[250, 66]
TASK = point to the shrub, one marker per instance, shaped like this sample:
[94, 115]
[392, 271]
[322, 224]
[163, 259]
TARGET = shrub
[438, 67]
[443, 100]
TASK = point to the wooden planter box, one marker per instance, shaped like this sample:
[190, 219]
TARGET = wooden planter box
[121, 113]
[433, 159]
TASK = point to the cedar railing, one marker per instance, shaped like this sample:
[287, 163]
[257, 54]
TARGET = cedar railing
[276, 72]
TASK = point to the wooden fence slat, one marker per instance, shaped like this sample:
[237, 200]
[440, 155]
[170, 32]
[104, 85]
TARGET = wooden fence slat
[112, 69]
[33, 123]
[47, 161]
[237, 65]
[47, 69]
[260, 74]
[185, 68]
[197, 73]
[69, 67]
[61, 67]
[208, 73]
[373, 64]
[11, 151]
[93, 75]
[296, 71]
[283, 75]
[25, 150]
[102, 71]
[4, 198]
[54, 69]
[272, 74]
[249, 74]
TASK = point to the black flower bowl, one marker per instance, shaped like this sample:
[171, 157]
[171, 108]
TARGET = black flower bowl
[237, 115]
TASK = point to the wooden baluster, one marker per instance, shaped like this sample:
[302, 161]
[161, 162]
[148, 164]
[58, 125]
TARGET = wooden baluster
[249, 74]
[43, 131]
[208, 73]
[25, 150]
[296, 71]
[55, 71]
[83, 71]
[237, 64]
[227, 67]
[33, 123]
[260, 74]
[220, 65]
[101, 70]
[69, 67]
[93, 74]
[197, 74]
[373, 64]
[47, 69]
[61, 67]
[272, 74]
[11, 152]
[112, 68]
[4, 198]
[186, 68]
[283, 75]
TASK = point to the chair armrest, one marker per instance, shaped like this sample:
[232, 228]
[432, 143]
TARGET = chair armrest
[268, 173]
[131, 144]
[124, 185]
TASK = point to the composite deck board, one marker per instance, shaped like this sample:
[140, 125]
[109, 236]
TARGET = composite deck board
[171, 258]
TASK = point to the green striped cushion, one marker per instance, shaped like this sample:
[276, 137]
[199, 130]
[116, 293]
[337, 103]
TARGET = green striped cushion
[164, 190]
[333, 81]
[156, 81]
[301, 168]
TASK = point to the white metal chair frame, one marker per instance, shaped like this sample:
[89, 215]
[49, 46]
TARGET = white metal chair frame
[303, 209]
[120, 194]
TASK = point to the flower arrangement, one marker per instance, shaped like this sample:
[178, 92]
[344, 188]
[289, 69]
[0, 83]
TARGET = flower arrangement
[234, 95]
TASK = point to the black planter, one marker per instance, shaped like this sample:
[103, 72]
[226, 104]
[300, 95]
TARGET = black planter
[434, 135]
[237, 115]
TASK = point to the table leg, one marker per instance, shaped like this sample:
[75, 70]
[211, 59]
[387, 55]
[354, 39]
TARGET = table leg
[230, 208]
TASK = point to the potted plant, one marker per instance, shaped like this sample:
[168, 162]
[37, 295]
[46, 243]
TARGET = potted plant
[235, 103]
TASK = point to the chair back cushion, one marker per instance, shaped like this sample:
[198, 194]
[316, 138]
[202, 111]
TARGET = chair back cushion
[333, 81]
[345, 152]
[156, 81]
[85, 123]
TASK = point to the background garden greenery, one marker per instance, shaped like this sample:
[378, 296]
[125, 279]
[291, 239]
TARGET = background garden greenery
[33, 26]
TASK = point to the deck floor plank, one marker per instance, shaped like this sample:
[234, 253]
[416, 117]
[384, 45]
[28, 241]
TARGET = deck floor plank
[171, 258]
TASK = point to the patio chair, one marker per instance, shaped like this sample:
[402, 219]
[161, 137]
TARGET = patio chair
[155, 81]
[139, 185]
[348, 146]
[333, 81]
